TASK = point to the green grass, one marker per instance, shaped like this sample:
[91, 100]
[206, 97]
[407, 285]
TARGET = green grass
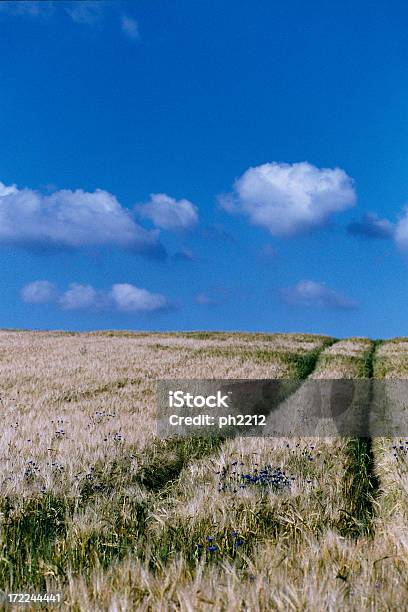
[39, 541]
[360, 489]
[360, 484]
[165, 459]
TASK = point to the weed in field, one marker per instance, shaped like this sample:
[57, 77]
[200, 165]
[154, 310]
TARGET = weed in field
[400, 450]
[236, 476]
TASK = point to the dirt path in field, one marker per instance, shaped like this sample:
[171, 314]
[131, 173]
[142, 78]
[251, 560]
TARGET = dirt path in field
[360, 483]
[332, 403]
[165, 459]
[332, 492]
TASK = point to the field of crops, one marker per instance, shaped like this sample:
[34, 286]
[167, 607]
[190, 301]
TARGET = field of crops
[94, 504]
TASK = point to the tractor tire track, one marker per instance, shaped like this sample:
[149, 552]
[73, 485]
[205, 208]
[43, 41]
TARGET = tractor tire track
[360, 482]
[167, 458]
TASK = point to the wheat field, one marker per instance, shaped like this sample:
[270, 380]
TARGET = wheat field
[95, 505]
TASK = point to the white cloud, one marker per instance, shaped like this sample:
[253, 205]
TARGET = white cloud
[129, 298]
[311, 293]
[168, 213]
[401, 230]
[86, 12]
[31, 8]
[91, 13]
[122, 297]
[39, 292]
[290, 199]
[72, 219]
[6, 190]
[81, 297]
[372, 227]
[130, 27]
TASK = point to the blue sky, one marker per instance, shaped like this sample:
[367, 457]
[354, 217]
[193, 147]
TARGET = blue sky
[204, 165]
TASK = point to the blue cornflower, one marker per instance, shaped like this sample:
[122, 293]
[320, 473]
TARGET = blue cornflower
[212, 548]
[238, 543]
[210, 538]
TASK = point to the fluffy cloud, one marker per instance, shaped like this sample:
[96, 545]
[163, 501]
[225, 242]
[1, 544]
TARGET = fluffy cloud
[122, 297]
[401, 230]
[82, 297]
[39, 292]
[168, 213]
[70, 219]
[130, 27]
[93, 13]
[290, 199]
[372, 227]
[129, 298]
[310, 293]
[31, 8]
[87, 12]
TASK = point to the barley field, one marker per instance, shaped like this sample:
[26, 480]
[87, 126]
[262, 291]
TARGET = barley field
[94, 505]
